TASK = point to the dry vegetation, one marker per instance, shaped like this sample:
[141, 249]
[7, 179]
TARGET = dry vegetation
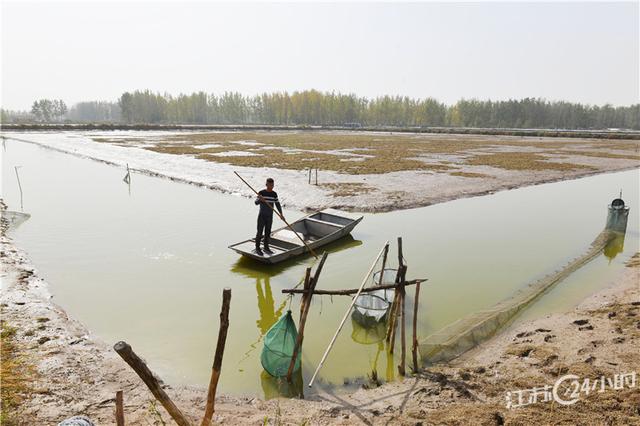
[377, 153]
[16, 376]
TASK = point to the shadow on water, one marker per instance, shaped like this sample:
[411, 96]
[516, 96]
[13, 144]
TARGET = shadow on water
[253, 269]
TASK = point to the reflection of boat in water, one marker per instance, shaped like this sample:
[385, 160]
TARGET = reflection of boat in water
[316, 230]
[372, 307]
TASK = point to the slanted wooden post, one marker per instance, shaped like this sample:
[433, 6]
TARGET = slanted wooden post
[119, 409]
[303, 318]
[124, 350]
[217, 359]
[414, 349]
[305, 286]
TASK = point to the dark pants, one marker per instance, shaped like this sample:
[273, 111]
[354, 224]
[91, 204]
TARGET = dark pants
[264, 223]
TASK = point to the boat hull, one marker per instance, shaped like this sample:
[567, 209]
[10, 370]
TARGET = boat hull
[287, 249]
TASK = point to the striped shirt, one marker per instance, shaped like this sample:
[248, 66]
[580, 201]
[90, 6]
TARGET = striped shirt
[270, 197]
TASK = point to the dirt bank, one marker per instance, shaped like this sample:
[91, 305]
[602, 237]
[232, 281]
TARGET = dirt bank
[75, 373]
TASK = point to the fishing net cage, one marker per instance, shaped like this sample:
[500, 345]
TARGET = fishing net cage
[388, 277]
[279, 343]
[372, 307]
[469, 331]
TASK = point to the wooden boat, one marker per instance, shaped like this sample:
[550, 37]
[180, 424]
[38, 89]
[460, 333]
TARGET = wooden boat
[317, 230]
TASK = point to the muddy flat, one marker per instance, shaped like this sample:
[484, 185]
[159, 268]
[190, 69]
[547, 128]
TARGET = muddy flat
[356, 171]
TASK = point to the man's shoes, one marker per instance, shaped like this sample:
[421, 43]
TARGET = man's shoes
[267, 250]
[258, 251]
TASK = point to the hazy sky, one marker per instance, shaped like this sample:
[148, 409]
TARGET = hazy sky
[582, 51]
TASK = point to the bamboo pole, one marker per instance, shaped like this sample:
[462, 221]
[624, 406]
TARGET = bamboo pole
[217, 359]
[303, 318]
[350, 291]
[414, 349]
[119, 409]
[279, 215]
[138, 365]
[346, 315]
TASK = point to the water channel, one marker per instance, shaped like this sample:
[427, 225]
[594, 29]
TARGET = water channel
[147, 263]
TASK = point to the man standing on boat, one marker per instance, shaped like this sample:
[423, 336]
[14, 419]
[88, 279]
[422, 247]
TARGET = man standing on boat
[267, 198]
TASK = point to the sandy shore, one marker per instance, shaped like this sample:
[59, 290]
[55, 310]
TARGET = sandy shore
[75, 373]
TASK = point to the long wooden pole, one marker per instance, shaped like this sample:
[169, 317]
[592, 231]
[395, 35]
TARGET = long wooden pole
[414, 349]
[279, 215]
[119, 409]
[350, 291]
[124, 350]
[217, 359]
[303, 318]
[346, 315]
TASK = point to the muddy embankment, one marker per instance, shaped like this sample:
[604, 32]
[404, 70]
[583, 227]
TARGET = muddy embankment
[605, 134]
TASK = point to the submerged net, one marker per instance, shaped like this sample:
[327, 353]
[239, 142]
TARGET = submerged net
[279, 343]
[467, 332]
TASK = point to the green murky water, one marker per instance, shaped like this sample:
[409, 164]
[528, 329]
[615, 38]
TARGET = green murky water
[147, 264]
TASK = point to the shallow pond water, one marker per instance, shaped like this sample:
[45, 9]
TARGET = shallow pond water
[147, 263]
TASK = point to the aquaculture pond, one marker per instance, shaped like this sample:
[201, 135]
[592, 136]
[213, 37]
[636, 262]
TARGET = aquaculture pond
[147, 262]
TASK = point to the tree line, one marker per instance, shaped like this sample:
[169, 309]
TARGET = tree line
[48, 110]
[311, 107]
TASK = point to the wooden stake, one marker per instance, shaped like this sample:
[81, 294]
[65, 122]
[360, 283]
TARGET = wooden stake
[392, 318]
[217, 359]
[403, 339]
[303, 318]
[305, 286]
[119, 409]
[346, 315]
[402, 291]
[384, 263]
[414, 349]
[138, 365]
